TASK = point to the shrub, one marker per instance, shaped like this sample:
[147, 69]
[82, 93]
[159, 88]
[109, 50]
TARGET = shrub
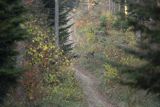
[110, 73]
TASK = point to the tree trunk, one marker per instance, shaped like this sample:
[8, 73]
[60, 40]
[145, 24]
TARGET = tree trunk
[110, 6]
[57, 22]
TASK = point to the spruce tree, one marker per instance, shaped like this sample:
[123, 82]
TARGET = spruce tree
[63, 22]
[10, 32]
[144, 18]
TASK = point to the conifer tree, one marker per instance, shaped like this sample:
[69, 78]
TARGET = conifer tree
[63, 22]
[10, 32]
[144, 17]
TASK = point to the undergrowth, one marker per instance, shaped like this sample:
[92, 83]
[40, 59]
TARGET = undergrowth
[121, 73]
[48, 80]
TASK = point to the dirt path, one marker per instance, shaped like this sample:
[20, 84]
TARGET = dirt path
[89, 84]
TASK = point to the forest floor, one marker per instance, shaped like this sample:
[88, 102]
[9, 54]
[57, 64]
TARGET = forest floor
[89, 84]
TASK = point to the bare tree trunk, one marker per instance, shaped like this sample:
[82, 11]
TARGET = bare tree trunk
[126, 8]
[90, 6]
[57, 22]
[119, 7]
[114, 6]
[110, 6]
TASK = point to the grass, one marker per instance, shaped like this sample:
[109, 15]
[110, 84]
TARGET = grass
[118, 71]
[65, 94]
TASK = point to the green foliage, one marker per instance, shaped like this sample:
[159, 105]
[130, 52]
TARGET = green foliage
[119, 72]
[48, 80]
[132, 80]
[63, 22]
[11, 31]
[103, 25]
[120, 25]
[67, 93]
[131, 73]
[111, 73]
[52, 62]
[41, 47]
[87, 36]
[130, 60]
[144, 17]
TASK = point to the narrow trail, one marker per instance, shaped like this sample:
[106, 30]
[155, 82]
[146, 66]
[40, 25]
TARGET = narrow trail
[89, 84]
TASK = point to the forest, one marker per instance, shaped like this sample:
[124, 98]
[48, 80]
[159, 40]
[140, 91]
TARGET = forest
[79, 53]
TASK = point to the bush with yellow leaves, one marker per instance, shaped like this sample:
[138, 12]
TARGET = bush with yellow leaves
[110, 73]
[48, 80]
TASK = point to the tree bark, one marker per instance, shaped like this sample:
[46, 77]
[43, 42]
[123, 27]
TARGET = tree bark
[57, 22]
